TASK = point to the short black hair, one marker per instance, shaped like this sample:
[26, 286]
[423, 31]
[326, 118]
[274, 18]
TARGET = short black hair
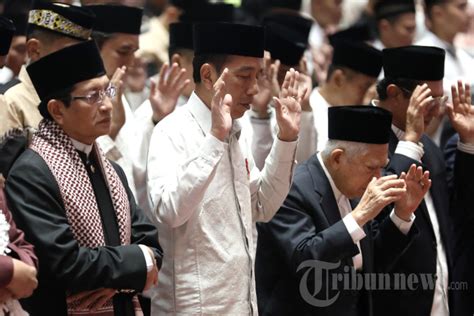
[429, 4]
[100, 38]
[63, 95]
[405, 85]
[217, 60]
[179, 51]
[347, 71]
[42, 34]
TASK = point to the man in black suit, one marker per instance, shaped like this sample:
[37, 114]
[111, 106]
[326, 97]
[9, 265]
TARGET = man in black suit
[317, 228]
[413, 91]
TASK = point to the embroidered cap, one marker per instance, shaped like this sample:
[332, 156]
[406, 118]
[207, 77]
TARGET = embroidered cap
[83, 62]
[359, 123]
[65, 19]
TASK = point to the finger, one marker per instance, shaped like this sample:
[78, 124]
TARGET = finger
[292, 82]
[277, 69]
[153, 87]
[419, 173]
[403, 176]
[386, 178]
[172, 73]
[219, 86]
[462, 96]
[184, 85]
[411, 172]
[468, 94]
[395, 192]
[394, 183]
[220, 82]
[286, 84]
[426, 186]
[227, 101]
[278, 108]
[163, 72]
[178, 79]
[450, 111]
[455, 97]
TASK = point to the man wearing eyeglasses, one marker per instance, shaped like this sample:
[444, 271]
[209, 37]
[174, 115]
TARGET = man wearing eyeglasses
[413, 91]
[96, 248]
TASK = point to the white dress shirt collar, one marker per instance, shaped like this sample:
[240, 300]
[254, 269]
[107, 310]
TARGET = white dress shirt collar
[337, 194]
[81, 146]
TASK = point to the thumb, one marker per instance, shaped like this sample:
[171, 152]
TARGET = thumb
[227, 101]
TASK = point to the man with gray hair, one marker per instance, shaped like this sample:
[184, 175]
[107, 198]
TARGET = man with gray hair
[318, 235]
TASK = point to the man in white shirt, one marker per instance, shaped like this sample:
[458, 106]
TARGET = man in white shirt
[355, 67]
[446, 19]
[413, 91]
[206, 191]
[396, 23]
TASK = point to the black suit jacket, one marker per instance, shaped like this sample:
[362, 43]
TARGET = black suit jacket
[65, 267]
[309, 227]
[422, 255]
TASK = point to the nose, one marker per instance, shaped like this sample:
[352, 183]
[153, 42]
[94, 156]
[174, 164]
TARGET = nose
[253, 90]
[106, 105]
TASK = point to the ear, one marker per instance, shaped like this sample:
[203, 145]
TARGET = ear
[56, 109]
[383, 25]
[208, 76]
[176, 58]
[393, 91]
[33, 47]
[338, 78]
[335, 158]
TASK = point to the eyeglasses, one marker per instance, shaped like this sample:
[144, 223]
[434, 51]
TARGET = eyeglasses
[437, 101]
[98, 97]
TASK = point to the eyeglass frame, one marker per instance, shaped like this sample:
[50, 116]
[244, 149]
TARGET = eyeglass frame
[110, 92]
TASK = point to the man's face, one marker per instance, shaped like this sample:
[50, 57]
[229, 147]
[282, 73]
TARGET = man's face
[242, 82]
[431, 110]
[327, 12]
[17, 54]
[86, 121]
[354, 88]
[455, 16]
[119, 51]
[401, 32]
[354, 173]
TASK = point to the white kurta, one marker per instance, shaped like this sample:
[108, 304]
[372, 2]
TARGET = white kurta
[320, 114]
[207, 195]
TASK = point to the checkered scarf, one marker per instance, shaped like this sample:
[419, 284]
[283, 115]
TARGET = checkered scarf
[79, 200]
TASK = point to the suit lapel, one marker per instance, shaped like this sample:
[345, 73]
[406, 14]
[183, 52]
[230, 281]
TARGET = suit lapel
[323, 189]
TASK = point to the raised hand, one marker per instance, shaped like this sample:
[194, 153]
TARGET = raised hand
[379, 193]
[417, 184]
[92, 300]
[288, 107]
[118, 111]
[24, 280]
[415, 123]
[268, 86]
[220, 108]
[164, 94]
[461, 112]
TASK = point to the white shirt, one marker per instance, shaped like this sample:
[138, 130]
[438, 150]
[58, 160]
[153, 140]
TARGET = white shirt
[458, 64]
[207, 196]
[320, 114]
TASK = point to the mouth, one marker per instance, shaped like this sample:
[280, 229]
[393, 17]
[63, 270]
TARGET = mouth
[246, 105]
[105, 121]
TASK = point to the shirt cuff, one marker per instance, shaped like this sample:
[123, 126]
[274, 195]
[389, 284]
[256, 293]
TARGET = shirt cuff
[467, 148]
[356, 232]
[402, 225]
[284, 151]
[410, 149]
[148, 258]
